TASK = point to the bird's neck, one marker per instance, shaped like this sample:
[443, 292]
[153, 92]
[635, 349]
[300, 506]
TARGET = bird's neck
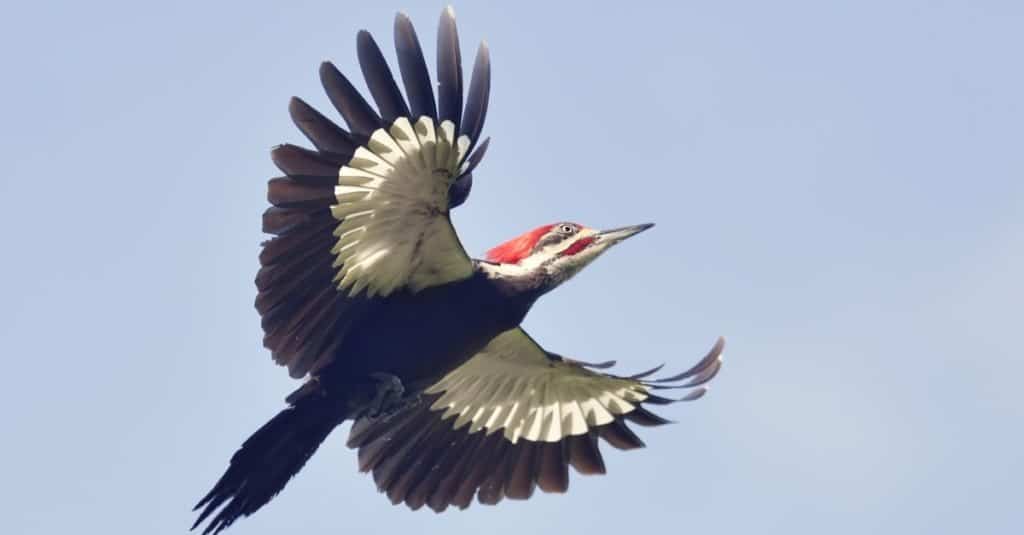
[516, 280]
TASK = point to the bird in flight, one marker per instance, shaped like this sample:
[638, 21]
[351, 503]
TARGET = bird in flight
[366, 292]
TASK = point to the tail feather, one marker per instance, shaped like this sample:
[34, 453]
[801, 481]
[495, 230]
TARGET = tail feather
[268, 459]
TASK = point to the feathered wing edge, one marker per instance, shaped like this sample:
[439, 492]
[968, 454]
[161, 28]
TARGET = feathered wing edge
[304, 317]
[418, 458]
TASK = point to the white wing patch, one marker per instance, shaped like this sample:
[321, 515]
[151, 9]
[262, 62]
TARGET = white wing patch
[393, 207]
[514, 387]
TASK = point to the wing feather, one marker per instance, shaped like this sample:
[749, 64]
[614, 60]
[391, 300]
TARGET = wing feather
[379, 79]
[366, 213]
[326, 136]
[511, 420]
[415, 76]
[304, 165]
[552, 468]
[479, 91]
[358, 114]
[449, 69]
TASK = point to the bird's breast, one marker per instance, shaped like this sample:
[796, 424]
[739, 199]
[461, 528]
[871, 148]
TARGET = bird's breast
[419, 337]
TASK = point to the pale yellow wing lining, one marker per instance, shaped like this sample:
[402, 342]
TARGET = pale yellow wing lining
[393, 207]
[513, 386]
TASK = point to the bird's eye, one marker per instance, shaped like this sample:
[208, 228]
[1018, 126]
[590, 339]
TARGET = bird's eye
[566, 229]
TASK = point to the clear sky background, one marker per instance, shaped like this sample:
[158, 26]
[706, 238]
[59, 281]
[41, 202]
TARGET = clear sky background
[838, 190]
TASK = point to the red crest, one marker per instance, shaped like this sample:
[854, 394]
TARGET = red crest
[516, 249]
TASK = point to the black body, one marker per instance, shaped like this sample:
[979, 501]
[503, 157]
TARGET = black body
[415, 337]
[420, 337]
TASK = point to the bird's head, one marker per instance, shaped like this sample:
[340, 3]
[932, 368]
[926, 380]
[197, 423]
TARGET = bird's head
[552, 254]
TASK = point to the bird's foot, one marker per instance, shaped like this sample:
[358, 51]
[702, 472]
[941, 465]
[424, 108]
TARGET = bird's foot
[389, 398]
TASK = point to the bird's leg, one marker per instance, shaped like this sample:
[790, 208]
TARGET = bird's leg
[389, 391]
[389, 397]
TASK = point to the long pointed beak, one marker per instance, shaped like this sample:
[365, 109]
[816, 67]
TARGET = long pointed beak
[616, 235]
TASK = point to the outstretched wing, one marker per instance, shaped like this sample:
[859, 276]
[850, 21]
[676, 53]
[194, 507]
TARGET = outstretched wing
[512, 418]
[366, 213]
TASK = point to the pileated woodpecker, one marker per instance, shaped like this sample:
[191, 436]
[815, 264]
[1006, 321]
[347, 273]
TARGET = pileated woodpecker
[366, 291]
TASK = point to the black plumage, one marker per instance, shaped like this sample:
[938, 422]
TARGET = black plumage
[379, 79]
[646, 418]
[584, 454]
[419, 458]
[327, 137]
[449, 70]
[415, 76]
[306, 321]
[477, 156]
[553, 467]
[478, 96]
[358, 114]
[342, 341]
[287, 192]
[277, 451]
[459, 191]
[304, 165]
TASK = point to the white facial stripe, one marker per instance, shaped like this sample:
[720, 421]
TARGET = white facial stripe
[555, 250]
[551, 258]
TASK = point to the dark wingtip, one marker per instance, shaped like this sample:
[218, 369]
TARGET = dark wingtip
[419, 89]
[327, 69]
[646, 418]
[646, 373]
[379, 79]
[696, 394]
[477, 156]
[459, 190]
[449, 69]
[703, 364]
[475, 113]
[202, 516]
[360, 117]
[325, 135]
[364, 40]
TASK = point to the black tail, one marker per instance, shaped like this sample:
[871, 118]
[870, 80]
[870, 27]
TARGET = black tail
[268, 459]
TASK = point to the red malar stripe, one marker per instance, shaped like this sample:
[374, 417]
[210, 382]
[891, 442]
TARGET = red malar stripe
[578, 246]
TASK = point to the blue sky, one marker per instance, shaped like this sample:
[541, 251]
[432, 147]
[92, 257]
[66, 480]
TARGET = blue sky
[838, 190]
